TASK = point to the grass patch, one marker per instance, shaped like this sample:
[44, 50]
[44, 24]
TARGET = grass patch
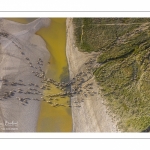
[123, 47]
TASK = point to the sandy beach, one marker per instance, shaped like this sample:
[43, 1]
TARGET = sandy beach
[92, 115]
[24, 58]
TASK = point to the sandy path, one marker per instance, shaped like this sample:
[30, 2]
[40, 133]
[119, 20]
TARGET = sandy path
[91, 115]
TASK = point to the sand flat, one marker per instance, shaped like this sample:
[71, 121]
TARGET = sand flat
[20, 51]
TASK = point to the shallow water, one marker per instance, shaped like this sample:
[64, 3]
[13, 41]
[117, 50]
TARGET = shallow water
[54, 119]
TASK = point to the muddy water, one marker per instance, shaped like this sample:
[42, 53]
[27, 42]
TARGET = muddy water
[54, 119]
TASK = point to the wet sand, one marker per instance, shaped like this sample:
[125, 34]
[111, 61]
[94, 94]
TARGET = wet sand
[55, 119]
[20, 51]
